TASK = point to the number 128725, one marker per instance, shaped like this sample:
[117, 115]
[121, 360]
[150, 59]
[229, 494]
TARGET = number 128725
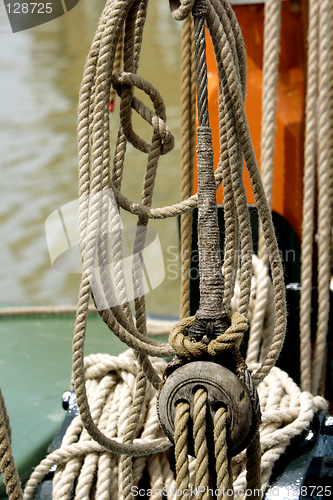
[29, 8]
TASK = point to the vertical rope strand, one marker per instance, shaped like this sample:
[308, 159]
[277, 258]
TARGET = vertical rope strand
[308, 196]
[188, 98]
[7, 464]
[272, 25]
[253, 466]
[221, 457]
[200, 443]
[324, 195]
[181, 446]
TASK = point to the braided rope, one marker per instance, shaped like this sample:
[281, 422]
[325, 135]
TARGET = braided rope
[318, 147]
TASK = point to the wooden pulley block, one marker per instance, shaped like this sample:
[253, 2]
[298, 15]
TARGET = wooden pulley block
[223, 389]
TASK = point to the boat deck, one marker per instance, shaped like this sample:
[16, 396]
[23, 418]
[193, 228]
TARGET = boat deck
[35, 370]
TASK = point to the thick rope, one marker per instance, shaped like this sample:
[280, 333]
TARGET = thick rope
[317, 165]
[186, 349]
[200, 443]
[308, 196]
[253, 469]
[221, 456]
[324, 195]
[96, 397]
[188, 101]
[7, 465]
[182, 415]
[272, 25]
[225, 64]
[286, 412]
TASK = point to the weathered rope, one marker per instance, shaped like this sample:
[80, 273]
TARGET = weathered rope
[179, 340]
[181, 446]
[200, 443]
[286, 412]
[7, 465]
[188, 103]
[221, 450]
[272, 25]
[116, 434]
[308, 197]
[253, 469]
[317, 164]
[324, 195]
[225, 64]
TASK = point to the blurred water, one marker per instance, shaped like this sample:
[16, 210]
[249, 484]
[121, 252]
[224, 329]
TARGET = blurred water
[41, 70]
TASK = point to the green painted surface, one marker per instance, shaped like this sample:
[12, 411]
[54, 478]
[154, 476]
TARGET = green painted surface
[35, 369]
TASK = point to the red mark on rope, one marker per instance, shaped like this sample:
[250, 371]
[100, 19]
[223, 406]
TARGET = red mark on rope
[111, 105]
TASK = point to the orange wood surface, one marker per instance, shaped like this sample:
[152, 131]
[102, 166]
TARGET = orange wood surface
[288, 160]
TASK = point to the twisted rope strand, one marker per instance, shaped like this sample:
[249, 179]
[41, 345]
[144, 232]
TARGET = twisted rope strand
[200, 443]
[324, 195]
[188, 85]
[182, 415]
[308, 196]
[272, 25]
[221, 457]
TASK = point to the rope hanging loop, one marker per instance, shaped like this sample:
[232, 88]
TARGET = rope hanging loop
[181, 9]
[223, 389]
[124, 81]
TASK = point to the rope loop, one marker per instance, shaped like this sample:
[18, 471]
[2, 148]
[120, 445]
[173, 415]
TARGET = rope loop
[124, 81]
[181, 9]
[184, 348]
[232, 336]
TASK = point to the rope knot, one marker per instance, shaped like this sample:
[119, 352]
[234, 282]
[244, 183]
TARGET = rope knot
[232, 336]
[179, 338]
[124, 84]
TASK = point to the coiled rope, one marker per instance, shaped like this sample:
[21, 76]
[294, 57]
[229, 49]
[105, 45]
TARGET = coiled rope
[286, 413]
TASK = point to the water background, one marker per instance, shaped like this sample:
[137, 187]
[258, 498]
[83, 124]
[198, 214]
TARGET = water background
[41, 70]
